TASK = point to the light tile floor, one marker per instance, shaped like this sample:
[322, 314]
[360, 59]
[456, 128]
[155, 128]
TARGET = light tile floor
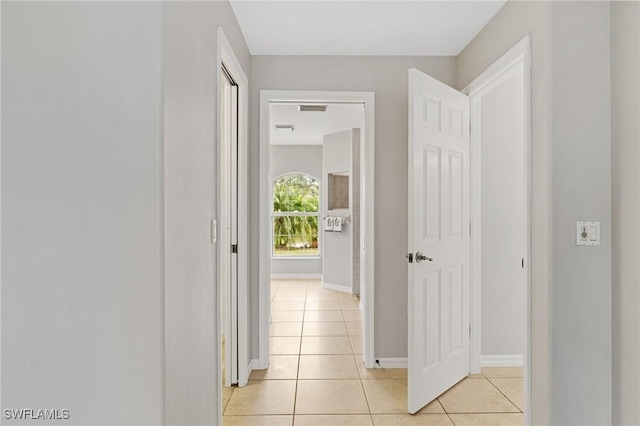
[316, 376]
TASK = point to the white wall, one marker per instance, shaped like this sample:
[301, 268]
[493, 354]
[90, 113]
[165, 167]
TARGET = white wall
[337, 259]
[571, 286]
[625, 169]
[292, 159]
[581, 191]
[190, 109]
[388, 78]
[108, 171]
[82, 219]
[503, 217]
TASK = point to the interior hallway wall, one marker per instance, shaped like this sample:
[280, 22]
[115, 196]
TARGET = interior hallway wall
[337, 262]
[571, 285]
[625, 169]
[190, 116]
[388, 77]
[581, 133]
[108, 158]
[82, 227]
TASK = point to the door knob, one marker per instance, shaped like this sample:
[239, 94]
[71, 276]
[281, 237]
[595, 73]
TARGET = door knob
[421, 257]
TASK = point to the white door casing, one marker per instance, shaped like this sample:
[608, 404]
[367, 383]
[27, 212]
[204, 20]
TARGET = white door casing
[367, 202]
[227, 220]
[438, 305]
[518, 59]
[231, 212]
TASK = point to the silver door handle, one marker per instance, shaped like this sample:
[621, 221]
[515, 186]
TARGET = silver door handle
[421, 257]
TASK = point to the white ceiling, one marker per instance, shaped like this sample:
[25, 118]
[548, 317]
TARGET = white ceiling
[310, 127]
[360, 27]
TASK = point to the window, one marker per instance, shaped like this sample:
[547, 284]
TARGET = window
[295, 215]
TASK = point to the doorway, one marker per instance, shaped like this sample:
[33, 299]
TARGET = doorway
[500, 215]
[228, 219]
[364, 182]
[447, 211]
[229, 228]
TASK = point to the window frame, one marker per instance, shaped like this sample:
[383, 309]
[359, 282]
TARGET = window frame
[275, 214]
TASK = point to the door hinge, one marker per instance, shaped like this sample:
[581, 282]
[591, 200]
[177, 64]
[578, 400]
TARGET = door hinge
[523, 263]
[234, 248]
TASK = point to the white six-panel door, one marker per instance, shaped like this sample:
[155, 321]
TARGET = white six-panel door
[439, 229]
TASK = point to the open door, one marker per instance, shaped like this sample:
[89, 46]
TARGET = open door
[438, 239]
[228, 217]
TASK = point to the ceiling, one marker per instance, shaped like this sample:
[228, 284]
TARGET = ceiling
[310, 127]
[360, 27]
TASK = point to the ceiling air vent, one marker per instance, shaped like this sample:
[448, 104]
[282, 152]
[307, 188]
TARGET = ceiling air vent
[312, 108]
[284, 127]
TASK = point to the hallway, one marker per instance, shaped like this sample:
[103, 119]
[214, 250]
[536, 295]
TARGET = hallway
[316, 376]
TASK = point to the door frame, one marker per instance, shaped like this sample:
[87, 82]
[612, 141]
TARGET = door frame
[226, 56]
[518, 55]
[367, 195]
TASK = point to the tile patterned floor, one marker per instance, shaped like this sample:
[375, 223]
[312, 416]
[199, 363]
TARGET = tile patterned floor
[316, 376]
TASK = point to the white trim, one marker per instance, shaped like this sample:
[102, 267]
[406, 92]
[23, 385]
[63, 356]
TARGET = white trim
[502, 360]
[367, 195]
[519, 55]
[295, 172]
[284, 257]
[392, 363]
[227, 56]
[300, 214]
[296, 276]
[337, 287]
[516, 54]
[246, 372]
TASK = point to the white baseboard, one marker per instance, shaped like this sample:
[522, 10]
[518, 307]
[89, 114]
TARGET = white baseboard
[391, 363]
[244, 380]
[257, 364]
[336, 287]
[502, 361]
[296, 276]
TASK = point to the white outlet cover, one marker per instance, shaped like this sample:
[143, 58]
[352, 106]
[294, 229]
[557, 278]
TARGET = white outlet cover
[588, 233]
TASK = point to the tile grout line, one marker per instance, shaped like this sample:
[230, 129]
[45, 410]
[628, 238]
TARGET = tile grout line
[448, 415]
[361, 378]
[353, 354]
[503, 394]
[362, 386]
[295, 395]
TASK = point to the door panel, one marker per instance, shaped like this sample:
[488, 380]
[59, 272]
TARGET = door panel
[229, 224]
[439, 229]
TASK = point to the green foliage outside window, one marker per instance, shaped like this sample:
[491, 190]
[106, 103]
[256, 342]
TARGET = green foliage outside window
[295, 234]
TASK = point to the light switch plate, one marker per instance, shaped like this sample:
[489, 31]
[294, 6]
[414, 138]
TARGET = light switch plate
[588, 233]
